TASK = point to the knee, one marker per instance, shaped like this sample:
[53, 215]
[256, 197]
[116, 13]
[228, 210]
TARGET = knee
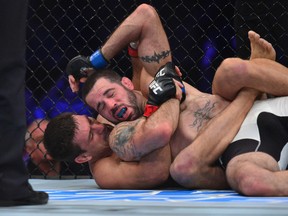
[230, 75]
[247, 183]
[243, 183]
[232, 69]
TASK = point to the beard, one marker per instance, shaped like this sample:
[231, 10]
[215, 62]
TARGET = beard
[137, 109]
[132, 105]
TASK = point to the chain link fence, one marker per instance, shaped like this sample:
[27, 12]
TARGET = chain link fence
[201, 34]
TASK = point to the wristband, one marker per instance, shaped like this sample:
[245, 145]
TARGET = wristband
[149, 110]
[183, 94]
[98, 60]
[132, 52]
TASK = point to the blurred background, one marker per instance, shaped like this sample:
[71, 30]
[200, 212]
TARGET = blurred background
[201, 34]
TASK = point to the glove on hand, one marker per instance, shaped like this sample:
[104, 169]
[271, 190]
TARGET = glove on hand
[77, 67]
[168, 70]
[160, 90]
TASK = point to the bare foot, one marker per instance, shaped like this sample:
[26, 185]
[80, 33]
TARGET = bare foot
[260, 48]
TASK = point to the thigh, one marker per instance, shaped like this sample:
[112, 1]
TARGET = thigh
[250, 169]
[253, 159]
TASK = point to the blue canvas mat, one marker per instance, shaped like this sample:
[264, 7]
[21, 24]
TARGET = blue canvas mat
[160, 196]
[86, 189]
[83, 197]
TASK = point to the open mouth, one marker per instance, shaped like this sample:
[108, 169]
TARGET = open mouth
[122, 112]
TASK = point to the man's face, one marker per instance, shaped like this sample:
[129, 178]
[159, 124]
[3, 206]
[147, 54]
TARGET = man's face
[91, 135]
[113, 101]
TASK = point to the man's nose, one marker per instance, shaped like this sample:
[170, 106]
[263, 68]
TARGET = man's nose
[97, 127]
[110, 103]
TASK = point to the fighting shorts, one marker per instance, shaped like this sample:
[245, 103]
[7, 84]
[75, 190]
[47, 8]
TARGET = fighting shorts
[265, 129]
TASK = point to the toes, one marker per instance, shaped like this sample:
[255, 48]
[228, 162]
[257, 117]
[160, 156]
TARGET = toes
[265, 44]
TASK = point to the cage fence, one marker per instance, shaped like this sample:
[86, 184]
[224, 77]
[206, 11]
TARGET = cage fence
[201, 34]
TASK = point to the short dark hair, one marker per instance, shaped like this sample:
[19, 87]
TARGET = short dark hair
[96, 75]
[59, 138]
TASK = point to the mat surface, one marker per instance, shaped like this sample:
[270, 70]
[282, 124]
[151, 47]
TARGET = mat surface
[173, 196]
[82, 197]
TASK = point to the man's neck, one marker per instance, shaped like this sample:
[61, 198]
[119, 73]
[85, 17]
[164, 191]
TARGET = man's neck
[141, 100]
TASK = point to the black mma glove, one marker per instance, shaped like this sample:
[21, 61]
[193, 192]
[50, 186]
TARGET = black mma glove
[160, 90]
[78, 65]
[168, 70]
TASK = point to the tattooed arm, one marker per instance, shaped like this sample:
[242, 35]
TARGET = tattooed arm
[144, 26]
[134, 139]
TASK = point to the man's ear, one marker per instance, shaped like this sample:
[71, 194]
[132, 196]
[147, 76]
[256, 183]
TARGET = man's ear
[82, 158]
[127, 83]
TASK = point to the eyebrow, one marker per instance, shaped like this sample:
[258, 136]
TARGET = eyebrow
[106, 92]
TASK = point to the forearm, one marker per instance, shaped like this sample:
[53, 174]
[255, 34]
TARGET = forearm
[166, 116]
[128, 31]
[158, 129]
[218, 134]
[145, 27]
[155, 167]
[194, 166]
[149, 172]
[133, 140]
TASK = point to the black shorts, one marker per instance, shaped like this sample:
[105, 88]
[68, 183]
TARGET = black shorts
[265, 129]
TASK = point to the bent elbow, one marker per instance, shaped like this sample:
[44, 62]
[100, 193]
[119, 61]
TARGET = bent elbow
[164, 132]
[147, 11]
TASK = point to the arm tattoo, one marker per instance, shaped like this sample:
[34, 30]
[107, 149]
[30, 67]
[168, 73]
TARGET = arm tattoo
[156, 57]
[122, 142]
[202, 115]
